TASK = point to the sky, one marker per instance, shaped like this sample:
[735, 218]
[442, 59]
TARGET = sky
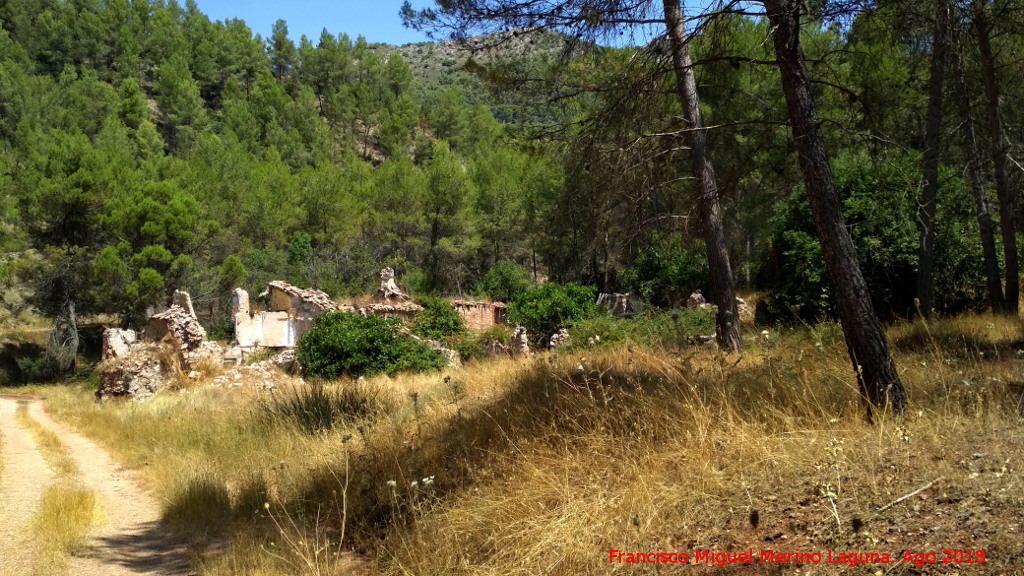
[377, 20]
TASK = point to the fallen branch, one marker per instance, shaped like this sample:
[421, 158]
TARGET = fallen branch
[910, 495]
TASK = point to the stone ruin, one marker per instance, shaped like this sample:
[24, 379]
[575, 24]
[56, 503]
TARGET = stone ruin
[696, 300]
[389, 293]
[618, 304]
[559, 339]
[178, 322]
[480, 316]
[389, 301]
[520, 343]
[292, 312]
[175, 343]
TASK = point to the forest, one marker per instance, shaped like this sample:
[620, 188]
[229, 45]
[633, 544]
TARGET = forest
[851, 169]
[144, 148]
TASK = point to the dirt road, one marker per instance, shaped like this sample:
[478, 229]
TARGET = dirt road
[130, 541]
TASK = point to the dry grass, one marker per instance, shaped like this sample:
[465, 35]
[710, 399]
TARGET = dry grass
[68, 510]
[62, 525]
[49, 445]
[543, 466]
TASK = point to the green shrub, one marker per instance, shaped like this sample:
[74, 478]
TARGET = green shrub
[505, 281]
[470, 348]
[664, 328]
[544, 310]
[343, 343]
[880, 206]
[669, 271]
[34, 369]
[439, 320]
[476, 346]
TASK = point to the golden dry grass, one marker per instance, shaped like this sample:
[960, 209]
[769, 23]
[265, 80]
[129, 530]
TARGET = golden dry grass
[543, 466]
[68, 510]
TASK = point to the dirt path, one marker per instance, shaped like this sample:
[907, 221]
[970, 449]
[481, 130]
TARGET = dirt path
[24, 477]
[131, 540]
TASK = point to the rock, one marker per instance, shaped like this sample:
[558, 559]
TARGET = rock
[138, 374]
[742, 309]
[287, 361]
[454, 360]
[232, 356]
[520, 343]
[389, 293]
[559, 339]
[210, 352]
[117, 342]
[695, 300]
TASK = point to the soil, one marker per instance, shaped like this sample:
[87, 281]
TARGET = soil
[130, 540]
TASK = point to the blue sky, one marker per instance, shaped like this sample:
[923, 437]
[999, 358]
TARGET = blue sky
[377, 20]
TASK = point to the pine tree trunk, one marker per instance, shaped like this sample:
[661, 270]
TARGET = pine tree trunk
[879, 382]
[1007, 221]
[977, 184]
[933, 145]
[722, 291]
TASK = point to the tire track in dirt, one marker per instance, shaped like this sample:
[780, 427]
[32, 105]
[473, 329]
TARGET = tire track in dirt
[131, 541]
[24, 477]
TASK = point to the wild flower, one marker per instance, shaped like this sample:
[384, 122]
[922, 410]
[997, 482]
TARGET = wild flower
[428, 481]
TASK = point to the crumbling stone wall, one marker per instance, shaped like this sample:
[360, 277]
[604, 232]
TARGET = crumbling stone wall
[179, 322]
[480, 316]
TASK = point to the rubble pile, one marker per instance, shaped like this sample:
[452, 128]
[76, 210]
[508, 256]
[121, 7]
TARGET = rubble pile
[139, 373]
[696, 300]
[117, 342]
[559, 339]
[259, 375]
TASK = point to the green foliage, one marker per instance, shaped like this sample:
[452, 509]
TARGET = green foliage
[880, 209]
[669, 271]
[34, 369]
[439, 320]
[544, 310]
[505, 281]
[342, 343]
[664, 328]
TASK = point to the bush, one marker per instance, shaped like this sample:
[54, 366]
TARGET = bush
[505, 281]
[664, 328]
[544, 310]
[439, 320]
[669, 271]
[343, 343]
[879, 203]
